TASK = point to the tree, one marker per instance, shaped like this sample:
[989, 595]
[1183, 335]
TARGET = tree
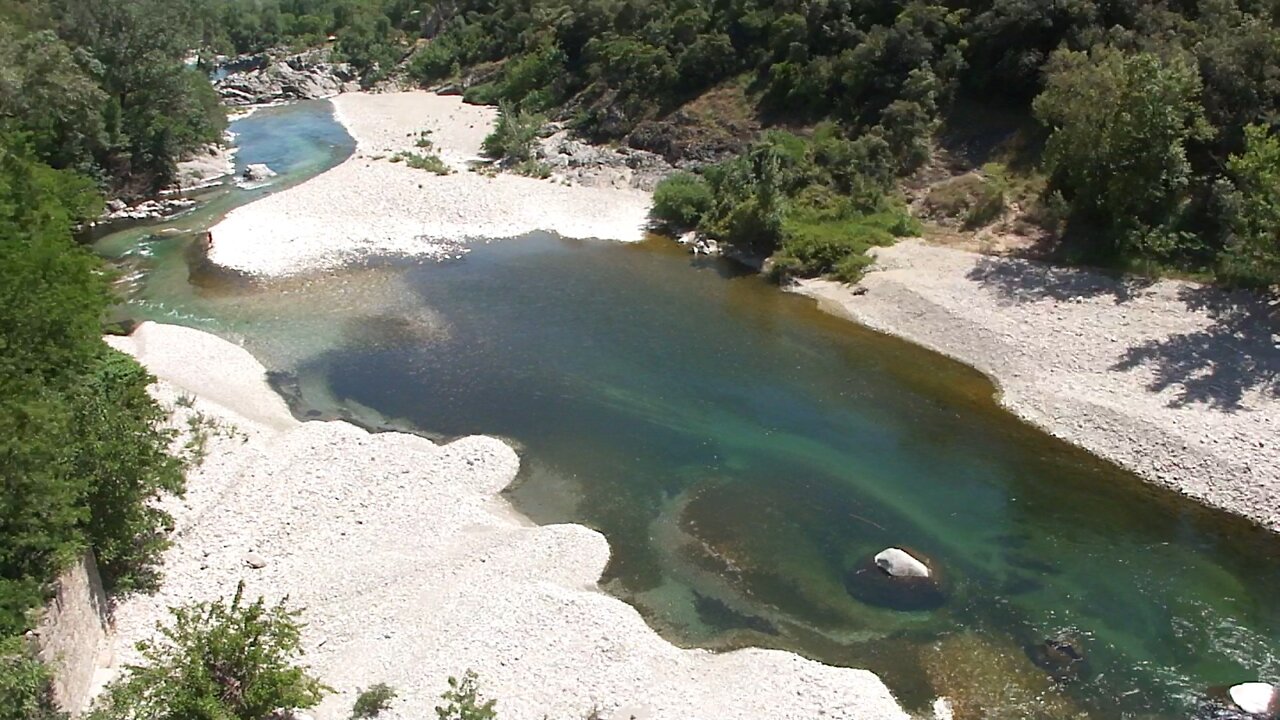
[1120, 127]
[1252, 256]
[82, 445]
[45, 92]
[216, 661]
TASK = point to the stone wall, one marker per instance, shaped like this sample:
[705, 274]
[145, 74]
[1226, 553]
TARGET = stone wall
[72, 636]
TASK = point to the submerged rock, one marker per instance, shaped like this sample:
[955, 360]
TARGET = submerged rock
[1062, 656]
[985, 677]
[900, 563]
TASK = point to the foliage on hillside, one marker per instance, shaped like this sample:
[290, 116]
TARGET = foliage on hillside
[1151, 98]
[101, 87]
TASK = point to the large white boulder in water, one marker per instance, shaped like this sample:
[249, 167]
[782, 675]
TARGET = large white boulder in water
[900, 563]
[1255, 698]
[258, 171]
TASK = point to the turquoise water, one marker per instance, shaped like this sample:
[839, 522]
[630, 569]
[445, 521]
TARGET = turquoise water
[745, 454]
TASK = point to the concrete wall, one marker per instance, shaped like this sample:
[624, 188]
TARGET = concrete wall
[72, 636]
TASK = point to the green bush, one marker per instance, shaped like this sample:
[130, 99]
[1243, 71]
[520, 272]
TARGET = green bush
[24, 685]
[462, 701]
[681, 200]
[483, 94]
[421, 161]
[216, 661]
[513, 135]
[534, 81]
[435, 61]
[823, 233]
[373, 700]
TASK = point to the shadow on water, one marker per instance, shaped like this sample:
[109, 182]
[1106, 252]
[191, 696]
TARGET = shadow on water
[745, 453]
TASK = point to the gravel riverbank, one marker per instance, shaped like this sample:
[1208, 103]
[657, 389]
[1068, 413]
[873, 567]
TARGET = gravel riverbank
[369, 206]
[412, 568]
[1176, 381]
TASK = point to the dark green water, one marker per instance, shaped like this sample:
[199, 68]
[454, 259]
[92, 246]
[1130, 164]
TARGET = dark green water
[744, 453]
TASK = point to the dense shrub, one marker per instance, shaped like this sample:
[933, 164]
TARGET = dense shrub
[82, 444]
[681, 200]
[513, 135]
[373, 700]
[24, 685]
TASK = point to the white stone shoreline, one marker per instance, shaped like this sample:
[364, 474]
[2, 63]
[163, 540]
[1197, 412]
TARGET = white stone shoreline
[1176, 381]
[412, 568]
[368, 206]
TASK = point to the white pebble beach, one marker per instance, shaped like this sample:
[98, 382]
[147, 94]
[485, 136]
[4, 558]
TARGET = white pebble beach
[370, 206]
[1176, 381]
[411, 568]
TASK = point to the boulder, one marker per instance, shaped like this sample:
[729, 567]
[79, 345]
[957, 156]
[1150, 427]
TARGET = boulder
[257, 172]
[1062, 656]
[900, 563]
[1256, 698]
[897, 580]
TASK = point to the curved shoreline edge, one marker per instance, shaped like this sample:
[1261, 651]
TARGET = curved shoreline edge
[1177, 382]
[412, 567]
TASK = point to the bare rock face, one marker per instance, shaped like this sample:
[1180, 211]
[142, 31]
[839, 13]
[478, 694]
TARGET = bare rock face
[601, 166]
[900, 563]
[305, 76]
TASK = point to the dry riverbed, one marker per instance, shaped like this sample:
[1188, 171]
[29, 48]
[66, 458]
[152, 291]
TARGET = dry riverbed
[412, 568]
[1176, 381]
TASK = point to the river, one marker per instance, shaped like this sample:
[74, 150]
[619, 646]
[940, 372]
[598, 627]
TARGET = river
[746, 454]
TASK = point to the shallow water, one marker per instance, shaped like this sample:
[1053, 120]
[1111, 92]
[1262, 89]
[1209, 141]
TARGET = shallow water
[745, 453]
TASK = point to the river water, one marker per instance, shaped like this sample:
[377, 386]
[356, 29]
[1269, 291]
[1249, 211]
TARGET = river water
[745, 454]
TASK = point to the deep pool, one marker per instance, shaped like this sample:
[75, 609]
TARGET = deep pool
[745, 453]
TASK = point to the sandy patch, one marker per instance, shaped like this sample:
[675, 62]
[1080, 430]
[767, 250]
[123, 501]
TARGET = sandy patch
[370, 206]
[1176, 381]
[412, 568]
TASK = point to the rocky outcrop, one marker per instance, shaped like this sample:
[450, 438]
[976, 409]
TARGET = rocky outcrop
[601, 166]
[147, 209]
[304, 76]
[687, 140]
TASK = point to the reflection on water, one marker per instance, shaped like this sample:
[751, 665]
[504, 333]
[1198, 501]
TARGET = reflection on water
[745, 454]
